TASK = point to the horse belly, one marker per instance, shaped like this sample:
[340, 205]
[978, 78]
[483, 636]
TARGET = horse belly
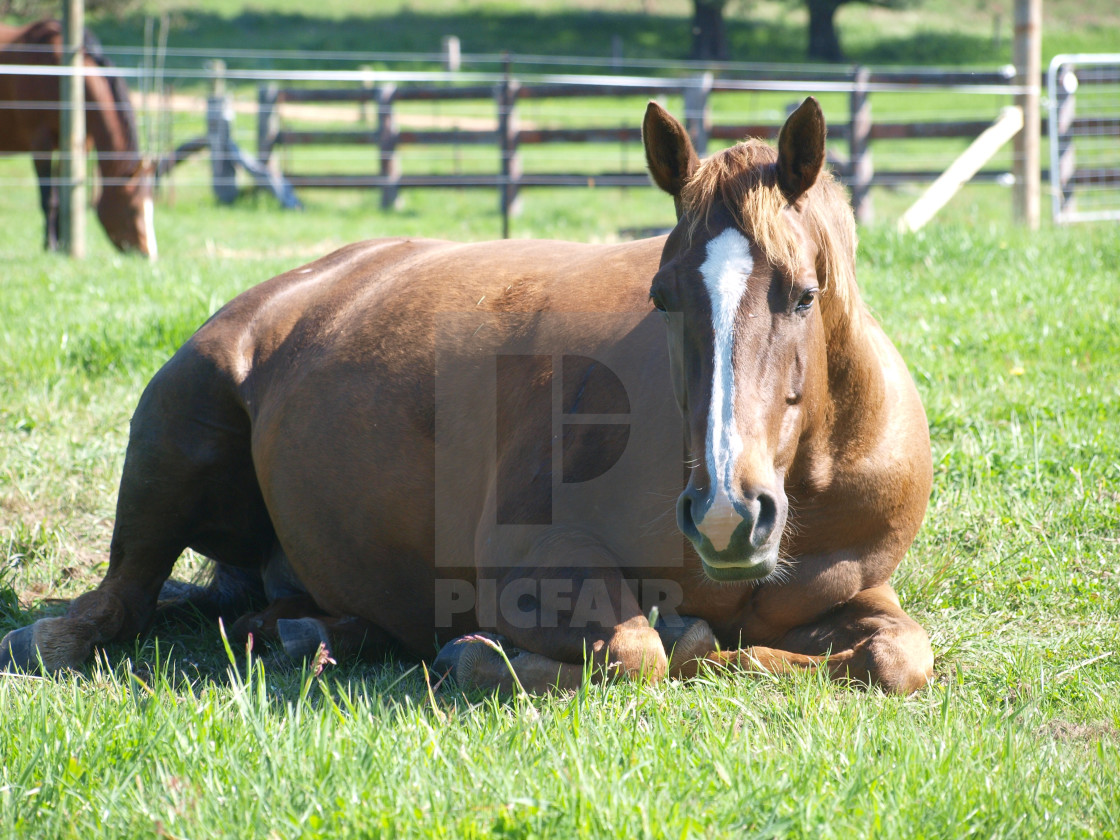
[378, 436]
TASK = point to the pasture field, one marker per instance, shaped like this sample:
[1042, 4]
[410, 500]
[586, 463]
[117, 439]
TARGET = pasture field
[1013, 339]
[1014, 342]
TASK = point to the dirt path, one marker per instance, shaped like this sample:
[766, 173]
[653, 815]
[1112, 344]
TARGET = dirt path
[185, 104]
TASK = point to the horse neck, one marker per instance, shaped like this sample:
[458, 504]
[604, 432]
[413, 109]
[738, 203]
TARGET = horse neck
[117, 155]
[856, 386]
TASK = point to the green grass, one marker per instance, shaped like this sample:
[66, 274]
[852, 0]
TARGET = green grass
[929, 32]
[1014, 341]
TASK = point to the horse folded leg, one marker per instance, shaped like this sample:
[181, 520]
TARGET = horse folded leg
[18, 652]
[474, 663]
[97, 617]
[869, 640]
[302, 638]
[686, 642]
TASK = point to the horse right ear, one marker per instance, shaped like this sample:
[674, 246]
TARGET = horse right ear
[669, 153]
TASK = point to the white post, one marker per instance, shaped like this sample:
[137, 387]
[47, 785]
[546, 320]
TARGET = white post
[1028, 74]
[72, 130]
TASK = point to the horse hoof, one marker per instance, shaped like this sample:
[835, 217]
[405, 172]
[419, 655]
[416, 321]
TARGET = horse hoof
[301, 637]
[692, 639]
[458, 658]
[18, 653]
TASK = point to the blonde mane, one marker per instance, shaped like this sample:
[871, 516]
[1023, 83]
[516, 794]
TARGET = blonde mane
[744, 179]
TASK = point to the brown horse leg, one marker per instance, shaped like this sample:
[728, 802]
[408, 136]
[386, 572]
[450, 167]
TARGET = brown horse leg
[343, 637]
[870, 640]
[153, 526]
[187, 482]
[262, 625]
[478, 665]
[298, 625]
[559, 620]
[119, 608]
[48, 199]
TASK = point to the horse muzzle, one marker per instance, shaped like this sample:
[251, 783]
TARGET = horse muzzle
[737, 539]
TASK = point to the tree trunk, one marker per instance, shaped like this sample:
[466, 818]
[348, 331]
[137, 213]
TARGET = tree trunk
[709, 41]
[824, 43]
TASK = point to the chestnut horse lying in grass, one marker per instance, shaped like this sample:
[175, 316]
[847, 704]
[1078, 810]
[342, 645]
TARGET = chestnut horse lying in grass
[422, 443]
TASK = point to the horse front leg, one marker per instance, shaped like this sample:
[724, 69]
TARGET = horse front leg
[556, 623]
[869, 639]
[48, 198]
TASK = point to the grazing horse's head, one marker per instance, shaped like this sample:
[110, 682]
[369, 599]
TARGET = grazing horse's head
[125, 211]
[762, 239]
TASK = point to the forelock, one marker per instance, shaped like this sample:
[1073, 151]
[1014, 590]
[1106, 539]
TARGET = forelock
[744, 179]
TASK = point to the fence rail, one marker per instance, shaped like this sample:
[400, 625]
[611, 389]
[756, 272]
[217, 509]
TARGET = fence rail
[511, 127]
[509, 137]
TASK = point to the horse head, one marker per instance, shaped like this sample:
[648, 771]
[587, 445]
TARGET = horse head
[760, 236]
[125, 210]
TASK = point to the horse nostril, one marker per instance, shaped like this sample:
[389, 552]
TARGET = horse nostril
[766, 520]
[685, 522]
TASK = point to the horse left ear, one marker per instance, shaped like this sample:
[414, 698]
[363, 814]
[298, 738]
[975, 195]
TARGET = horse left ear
[801, 150]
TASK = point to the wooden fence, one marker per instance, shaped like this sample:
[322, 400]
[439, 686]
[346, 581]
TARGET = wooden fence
[856, 169]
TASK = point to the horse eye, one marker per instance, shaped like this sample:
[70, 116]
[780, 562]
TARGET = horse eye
[806, 300]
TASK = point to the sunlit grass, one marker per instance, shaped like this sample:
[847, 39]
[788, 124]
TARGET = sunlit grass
[1014, 341]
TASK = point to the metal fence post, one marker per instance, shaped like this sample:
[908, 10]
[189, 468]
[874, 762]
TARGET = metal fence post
[1061, 181]
[860, 166]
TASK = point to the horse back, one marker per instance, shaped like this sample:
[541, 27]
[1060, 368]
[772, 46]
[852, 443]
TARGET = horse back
[379, 303]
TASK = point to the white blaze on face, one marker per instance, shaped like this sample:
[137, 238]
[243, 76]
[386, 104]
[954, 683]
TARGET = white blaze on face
[150, 229]
[725, 271]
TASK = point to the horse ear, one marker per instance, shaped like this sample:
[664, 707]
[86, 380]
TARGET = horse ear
[669, 152]
[801, 150]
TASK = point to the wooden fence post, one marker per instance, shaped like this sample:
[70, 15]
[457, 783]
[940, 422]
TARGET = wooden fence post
[268, 124]
[219, 116]
[698, 112]
[1061, 181]
[860, 167]
[365, 113]
[387, 136]
[508, 139]
[72, 160]
[452, 55]
[1028, 72]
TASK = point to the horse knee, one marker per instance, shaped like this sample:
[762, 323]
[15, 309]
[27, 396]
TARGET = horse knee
[633, 651]
[899, 662]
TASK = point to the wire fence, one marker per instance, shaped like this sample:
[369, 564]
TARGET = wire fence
[393, 123]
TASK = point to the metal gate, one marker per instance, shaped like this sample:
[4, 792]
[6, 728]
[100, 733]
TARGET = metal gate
[1084, 124]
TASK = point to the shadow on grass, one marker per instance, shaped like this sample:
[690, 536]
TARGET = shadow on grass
[186, 649]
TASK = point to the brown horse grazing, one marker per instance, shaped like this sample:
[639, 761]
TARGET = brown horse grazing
[420, 442]
[29, 122]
